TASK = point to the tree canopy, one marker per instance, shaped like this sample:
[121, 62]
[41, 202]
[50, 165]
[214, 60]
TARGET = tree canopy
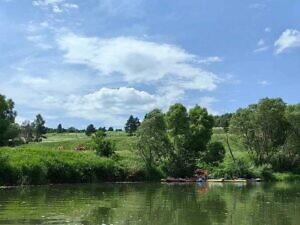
[132, 125]
[8, 128]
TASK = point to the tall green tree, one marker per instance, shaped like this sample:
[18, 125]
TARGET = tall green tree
[60, 128]
[152, 144]
[177, 121]
[39, 127]
[27, 130]
[90, 129]
[288, 158]
[263, 128]
[7, 120]
[189, 134]
[201, 124]
[132, 125]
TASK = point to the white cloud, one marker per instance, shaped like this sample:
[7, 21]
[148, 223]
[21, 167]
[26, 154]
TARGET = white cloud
[138, 61]
[57, 6]
[261, 47]
[40, 41]
[108, 102]
[289, 39]
[210, 59]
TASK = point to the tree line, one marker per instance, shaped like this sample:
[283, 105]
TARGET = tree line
[179, 141]
[9, 129]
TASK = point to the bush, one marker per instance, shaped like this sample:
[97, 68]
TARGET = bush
[229, 169]
[101, 145]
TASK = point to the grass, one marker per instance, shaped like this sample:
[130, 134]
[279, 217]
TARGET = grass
[41, 163]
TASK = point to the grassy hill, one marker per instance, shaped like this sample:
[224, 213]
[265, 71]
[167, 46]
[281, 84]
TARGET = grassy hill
[41, 163]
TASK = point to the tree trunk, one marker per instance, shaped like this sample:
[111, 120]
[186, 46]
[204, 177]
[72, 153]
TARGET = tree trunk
[227, 141]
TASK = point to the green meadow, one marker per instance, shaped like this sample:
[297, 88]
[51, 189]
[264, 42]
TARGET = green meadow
[44, 162]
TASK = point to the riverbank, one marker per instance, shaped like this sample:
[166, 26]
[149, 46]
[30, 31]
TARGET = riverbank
[44, 163]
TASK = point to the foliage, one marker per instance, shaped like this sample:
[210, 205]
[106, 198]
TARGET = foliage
[288, 157]
[102, 145]
[215, 153]
[39, 127]
[28, 166]
[27, 129]
[263, 128]
[223, 120]
[90, 130]
[7, 119]
[102, 129]
[152, 143]
[132, 125]
[60, 128]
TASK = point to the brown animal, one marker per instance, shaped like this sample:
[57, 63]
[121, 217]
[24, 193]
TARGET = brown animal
[202, 173]
[61, 148]
[80, 148]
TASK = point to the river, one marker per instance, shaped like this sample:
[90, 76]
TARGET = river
[153, 204]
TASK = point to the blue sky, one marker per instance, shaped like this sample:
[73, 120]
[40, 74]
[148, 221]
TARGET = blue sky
[98, 61]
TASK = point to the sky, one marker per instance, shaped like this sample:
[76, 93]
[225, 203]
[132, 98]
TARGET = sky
[99, 61]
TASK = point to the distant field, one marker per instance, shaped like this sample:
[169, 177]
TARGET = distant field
[237, 147]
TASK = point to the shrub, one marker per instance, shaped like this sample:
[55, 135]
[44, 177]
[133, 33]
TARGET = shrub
[101, 145]
[230, 169]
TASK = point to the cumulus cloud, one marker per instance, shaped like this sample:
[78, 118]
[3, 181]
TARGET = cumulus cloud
[110, 103]
[138, 61]
[289, 39]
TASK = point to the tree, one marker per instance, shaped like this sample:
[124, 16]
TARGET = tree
[177, 121]
[201, 124]
[152, 144]
[262, 127]
[131, 125]
[101, 145]
[222, 120]
[110, 129]
[288, 158]
[90, 130]
[27, 130]
[72, 130]
[59, 128]
[39, 127]
[7, 119]
[215, 153]
[102, 129]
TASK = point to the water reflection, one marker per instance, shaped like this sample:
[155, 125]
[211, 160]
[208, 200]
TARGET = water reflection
[152, 204]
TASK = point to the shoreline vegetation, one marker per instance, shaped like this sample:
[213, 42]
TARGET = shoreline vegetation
[260, 141]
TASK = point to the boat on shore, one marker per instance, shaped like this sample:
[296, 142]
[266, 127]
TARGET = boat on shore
[219, 180]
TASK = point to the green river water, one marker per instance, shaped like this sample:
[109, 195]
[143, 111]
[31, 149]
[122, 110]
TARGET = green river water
[153, 204]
